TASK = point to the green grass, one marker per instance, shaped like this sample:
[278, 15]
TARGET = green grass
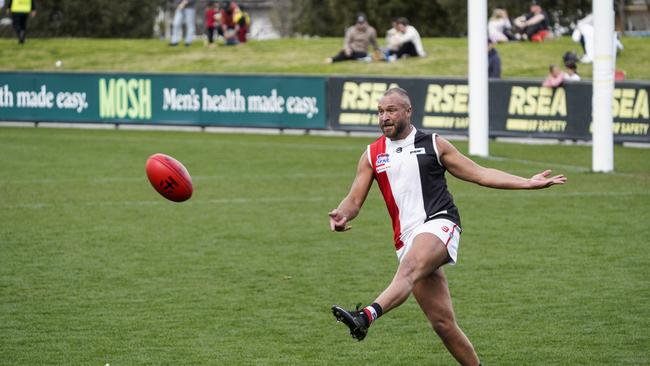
[96, 267]
[446, 57]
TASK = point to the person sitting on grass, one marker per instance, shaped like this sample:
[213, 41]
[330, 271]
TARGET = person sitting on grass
[392, 40]
[357, 40]
[499, 27]
[229, 22]
[534, 25]
[408, 41]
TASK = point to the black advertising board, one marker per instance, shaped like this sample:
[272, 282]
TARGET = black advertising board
[353, 100]
[518, 108]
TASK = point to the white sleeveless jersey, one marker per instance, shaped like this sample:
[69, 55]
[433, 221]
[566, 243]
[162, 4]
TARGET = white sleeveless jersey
[412, 180]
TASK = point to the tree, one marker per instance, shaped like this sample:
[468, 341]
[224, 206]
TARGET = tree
[95, 18]
[432, 18]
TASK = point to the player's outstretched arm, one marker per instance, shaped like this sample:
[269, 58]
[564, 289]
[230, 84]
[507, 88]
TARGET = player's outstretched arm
[464, 168]
[349, 208]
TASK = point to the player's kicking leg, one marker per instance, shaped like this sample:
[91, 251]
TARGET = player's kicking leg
[427, 253]
[432, 294]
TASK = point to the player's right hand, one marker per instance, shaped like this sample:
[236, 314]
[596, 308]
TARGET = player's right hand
[338, 221]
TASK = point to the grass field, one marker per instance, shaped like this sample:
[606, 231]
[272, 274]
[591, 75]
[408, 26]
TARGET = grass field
[446, 57]
[96, 267]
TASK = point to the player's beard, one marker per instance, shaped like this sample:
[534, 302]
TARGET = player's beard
[398, 127]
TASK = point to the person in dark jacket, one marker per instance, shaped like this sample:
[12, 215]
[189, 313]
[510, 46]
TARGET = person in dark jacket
[494, 62]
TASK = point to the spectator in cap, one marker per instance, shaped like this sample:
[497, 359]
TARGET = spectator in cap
[357, 40]
[570, 60]
[571, 73]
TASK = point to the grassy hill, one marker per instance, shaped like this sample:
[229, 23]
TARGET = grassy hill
[446, 57]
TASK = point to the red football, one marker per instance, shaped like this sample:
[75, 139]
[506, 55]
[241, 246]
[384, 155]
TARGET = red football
[169, 177]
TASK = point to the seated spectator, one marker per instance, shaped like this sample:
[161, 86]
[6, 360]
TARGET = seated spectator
[499, 27]
[244, 21]
[408, 41]
[392, 41]
[584, 34]
[229, 26]
[494, 61]
[534, 25]
[555, 77]
[357, 39]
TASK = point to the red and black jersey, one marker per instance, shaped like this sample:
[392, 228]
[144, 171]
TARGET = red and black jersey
[412, 180]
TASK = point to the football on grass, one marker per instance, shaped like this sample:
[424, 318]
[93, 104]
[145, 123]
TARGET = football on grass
[169, 177]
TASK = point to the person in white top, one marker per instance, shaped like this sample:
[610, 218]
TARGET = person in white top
[499, 26]
[571, 73]
[584, 34]
[409, 167]
[406, 39]
[392, 39]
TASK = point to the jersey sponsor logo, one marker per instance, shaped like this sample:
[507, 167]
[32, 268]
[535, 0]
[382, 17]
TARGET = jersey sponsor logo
[445, 229]
[382, 163]
[398, 150]
[418, 151]
[382, 159]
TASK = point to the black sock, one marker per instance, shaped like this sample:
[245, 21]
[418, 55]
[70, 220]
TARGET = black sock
[378, 309]
[371, 313]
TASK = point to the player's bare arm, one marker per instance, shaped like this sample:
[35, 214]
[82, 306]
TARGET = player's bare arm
[349, 208]
[466, 169]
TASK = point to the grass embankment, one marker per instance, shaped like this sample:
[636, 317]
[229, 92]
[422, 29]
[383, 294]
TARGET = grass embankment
[446, 57]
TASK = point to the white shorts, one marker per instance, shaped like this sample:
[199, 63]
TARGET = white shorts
[444, 229]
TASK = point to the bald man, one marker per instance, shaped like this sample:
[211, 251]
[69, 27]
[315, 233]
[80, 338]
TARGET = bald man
[409, 167]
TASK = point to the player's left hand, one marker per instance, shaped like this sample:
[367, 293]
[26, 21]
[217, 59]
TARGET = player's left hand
[541, 180]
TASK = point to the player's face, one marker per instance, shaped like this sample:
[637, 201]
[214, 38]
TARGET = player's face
[394, 116]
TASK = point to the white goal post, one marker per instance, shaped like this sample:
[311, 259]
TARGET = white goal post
[478, 77]
[603, 87]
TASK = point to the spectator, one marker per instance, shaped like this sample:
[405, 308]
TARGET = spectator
[555, 77]
[392, 40]
[211, 14]
[533, 25]
[499, 27]
[20, 11]
[408, 40]
[570, 60]
[357, 39]
[571, 73]
[584, 34]
[494, 61]
[185, 13]
[230, 14]
[244, 21]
